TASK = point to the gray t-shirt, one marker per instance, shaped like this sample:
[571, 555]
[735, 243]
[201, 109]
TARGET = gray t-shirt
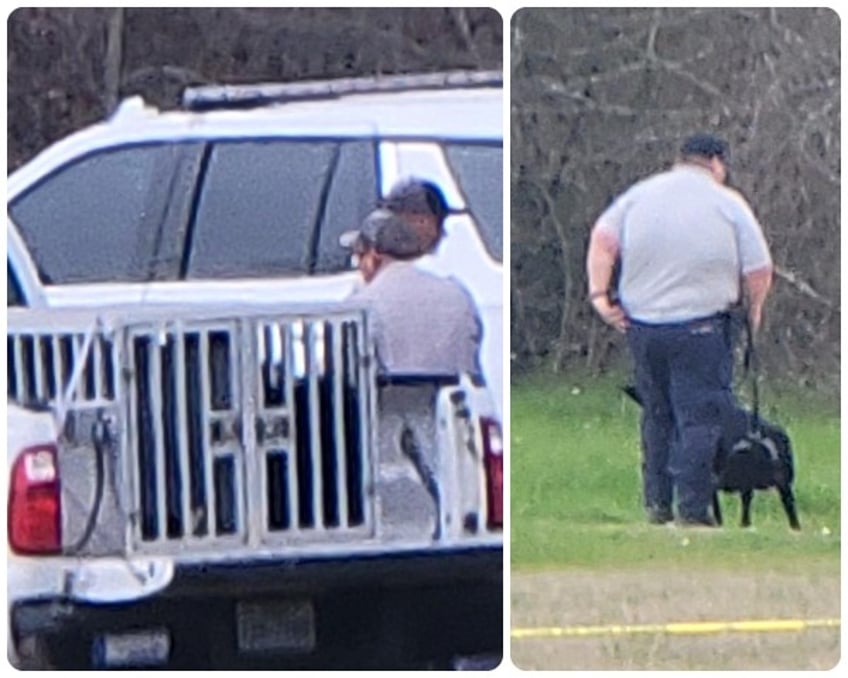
[421, 323]
[684, 241]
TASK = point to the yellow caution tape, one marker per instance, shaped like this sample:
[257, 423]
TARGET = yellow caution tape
[678, 628]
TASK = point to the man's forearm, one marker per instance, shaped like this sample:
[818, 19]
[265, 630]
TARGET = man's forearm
[600, 261]
[756, 285]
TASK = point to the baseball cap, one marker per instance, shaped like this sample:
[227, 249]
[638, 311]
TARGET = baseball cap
[416, 196]
[706, 145]
[386, 232]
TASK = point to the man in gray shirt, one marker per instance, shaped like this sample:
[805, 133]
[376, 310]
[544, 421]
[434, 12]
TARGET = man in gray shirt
[690, 248]
[421, 323]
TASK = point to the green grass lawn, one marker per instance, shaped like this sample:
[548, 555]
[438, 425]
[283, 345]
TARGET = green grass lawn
[575, 488]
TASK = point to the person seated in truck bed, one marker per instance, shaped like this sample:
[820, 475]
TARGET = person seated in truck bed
[421, 323]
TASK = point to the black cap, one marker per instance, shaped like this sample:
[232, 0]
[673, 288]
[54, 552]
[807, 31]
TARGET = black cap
[707, 146]
[385, 232]
[416, 196]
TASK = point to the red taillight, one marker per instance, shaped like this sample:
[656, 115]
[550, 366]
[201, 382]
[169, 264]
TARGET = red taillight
[35, 511]
[493, 463]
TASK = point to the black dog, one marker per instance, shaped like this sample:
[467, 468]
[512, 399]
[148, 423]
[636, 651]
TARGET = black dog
[752, 454]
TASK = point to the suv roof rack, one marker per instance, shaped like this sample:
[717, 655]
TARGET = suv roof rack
[210, 97]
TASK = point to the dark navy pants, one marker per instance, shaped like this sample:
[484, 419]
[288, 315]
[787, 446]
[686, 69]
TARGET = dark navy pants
[683, 377]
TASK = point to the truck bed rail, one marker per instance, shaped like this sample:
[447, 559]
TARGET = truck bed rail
[253, 429]
[227, 434]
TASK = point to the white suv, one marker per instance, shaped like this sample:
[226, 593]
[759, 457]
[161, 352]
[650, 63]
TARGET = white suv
[246, 198]
[206, 468]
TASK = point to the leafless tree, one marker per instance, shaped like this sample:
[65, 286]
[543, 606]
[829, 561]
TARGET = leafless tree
[70, 67]
[602, 97]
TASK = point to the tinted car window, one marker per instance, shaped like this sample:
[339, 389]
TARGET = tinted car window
[479, 170]
[102, 217]
[276, 207]
[352, 195]
[14, 294]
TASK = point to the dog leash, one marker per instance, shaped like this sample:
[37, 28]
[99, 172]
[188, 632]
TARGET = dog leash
[751, 364]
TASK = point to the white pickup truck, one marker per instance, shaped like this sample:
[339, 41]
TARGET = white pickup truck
[206, 469]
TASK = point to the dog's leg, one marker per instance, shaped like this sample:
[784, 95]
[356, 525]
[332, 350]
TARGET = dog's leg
[747, 495]
[788, 499]
[716, 508]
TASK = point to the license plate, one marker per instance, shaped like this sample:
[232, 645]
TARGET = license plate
[149, 647]
[287, 626]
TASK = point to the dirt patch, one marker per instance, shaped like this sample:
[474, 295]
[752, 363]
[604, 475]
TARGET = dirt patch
[561, 599]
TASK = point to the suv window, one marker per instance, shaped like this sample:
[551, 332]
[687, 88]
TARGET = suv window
[479, 170]
[14, 293]
[277, 207]
[101, 217]
[267, 207]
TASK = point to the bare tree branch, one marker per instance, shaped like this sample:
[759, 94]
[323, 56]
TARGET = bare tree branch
[804, 287]
[113, 60]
